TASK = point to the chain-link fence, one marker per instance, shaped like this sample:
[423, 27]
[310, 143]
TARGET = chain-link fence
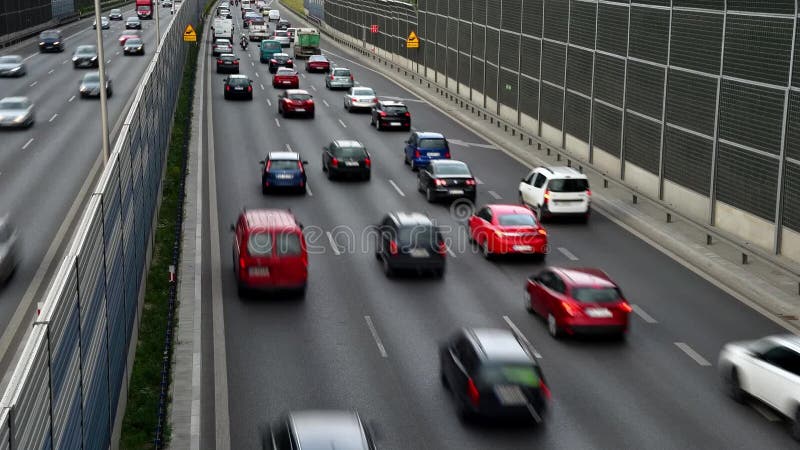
[695, 103]
[65, 391]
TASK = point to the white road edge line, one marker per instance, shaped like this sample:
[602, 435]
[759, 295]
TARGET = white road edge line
[375, 336]
[335, 247]
[693, 354]
[522, 336]
[277, 122]
[641, 313]
[397, 188]
[495, 195]
[27, 143]
[342, 123]
[568, 254]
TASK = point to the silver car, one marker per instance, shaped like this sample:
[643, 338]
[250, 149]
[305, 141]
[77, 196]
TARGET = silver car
[12, 66]
[105, 24]
[281, 36]
[85, 56]
[339, 78]
[8, 249]
[360, 98]
[16, 112]
[90, 85]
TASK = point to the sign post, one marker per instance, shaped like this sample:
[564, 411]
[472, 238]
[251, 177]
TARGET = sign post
[412, 41]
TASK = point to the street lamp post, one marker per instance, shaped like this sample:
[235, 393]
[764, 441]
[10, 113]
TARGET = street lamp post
[158, 27]
[103, 91]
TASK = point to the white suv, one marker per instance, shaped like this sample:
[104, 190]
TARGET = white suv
[551, 191]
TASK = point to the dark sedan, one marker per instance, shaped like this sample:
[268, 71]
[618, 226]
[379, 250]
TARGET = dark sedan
[390, 114]
[227, 62]
[238, 86]
[446, 179]
[51, 41]
[280, 60]
[85, 56]
[90, 85]
[115, 14]
[346, 158]
[133, 23]
[133, 46]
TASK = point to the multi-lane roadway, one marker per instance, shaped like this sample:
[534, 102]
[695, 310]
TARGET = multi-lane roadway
[362, 341]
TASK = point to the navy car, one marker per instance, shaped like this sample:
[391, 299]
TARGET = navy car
[424, 146]
[283, 170]
[51, 41]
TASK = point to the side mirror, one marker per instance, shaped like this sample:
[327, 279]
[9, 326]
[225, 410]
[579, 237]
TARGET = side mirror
[407, 141]
[305, 162]
[262, 162]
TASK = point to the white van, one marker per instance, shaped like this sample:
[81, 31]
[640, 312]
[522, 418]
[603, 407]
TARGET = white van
[223, 28]
[274, 15]
[245, 4]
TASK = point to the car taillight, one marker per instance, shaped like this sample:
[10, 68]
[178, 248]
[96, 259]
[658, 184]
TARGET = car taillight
[273, 61]
[626, 307]
[569, 308]
[546, 196]
[545, 390]
[441, 248]
[351, 78]
[269, 164]
[382, 113]
[439, 182]
[368, 162]
[374, 99]
[542, 231]
[249, 88]
[227, 88]
[335, 162]
[289, 61]
[242, 264]
[331, 76]
[309, 102]
[470, 182]
[300, 165]
[236, 62]
[588, 192]
[408, 114]
[353, 99]
[472, 392]
[393, 247]
[219, 61]
[447, 154]
[416, 154]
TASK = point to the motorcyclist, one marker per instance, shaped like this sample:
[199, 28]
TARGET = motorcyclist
[243, 42]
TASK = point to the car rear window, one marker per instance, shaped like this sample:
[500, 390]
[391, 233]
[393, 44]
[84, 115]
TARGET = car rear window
[288, 244]
[363, 91]
[393, 109]
[349, 152]
[418, 236]
[568, 185]
[283, 164]
[260, 244]
[318, 58]
[281, 33]
[238, 81]
[596, 295]
[516, 220]
[133, 41]
[281, 57]
[519, 374]
[341, 73]
[49, 35]
[286, 72]
[431, 143]
[270, 45]
[452, 169]
[300, 96]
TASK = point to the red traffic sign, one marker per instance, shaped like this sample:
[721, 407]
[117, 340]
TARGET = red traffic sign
[373, 28]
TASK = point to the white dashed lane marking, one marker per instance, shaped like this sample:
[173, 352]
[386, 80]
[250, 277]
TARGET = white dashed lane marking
[568, 254]
[495, 195]
[71, 99]
[34, 83]
[27, 143]
[692, 354]
[375, 336]
[397, 188]
[50, 72]
[325, 103]
[277, 122]
[53, 118]
[641, 313]
[342, 123]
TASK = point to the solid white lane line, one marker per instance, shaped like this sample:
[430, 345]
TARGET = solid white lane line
[333, 244]
[375, 336]
[568, 254]
[258, 74]
[262, 86]
[27, 143]
[303, 75]
[289, 148]
[53, 118]
[71, 99]
[693, 354]
[342, 123]
[269, 102]
[277, 122]
[641, 313]
[50, 72]
[313, 88]
[325, 103]
[34, 83]
[522, 336]
[495, 195]
[764, 411]
[397, 188]
[450, 252]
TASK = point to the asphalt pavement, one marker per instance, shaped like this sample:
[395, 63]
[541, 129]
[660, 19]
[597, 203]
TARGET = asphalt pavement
[362, 341]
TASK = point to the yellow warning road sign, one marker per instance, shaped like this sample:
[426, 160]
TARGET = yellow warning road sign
[189, 35]
[412, 41]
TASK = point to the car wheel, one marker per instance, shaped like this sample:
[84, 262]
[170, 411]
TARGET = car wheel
[226, 96]
[367, 176]
[428, 195]
[420, 189]
[405, 160]
[387, 268]
[330, 174]
[485, 250]
[311, 115]
[552, 326]
[520, 199]
[734, 387]
[241, 291]
[526, 302]
[539, 213]
[443, 378]
[324, 169]
[414, 167]
[264, 190]
[372, 121]
[110, 94]
[438, 273]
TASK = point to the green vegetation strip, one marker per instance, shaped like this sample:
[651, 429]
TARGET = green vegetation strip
[296, 6]
[141, 415]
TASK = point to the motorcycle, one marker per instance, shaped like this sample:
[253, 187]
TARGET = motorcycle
[243, 43]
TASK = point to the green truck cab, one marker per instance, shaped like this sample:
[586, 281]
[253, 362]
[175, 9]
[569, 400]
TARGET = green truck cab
[267, 48]
[306, 42]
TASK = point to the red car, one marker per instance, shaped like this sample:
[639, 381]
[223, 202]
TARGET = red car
[286, 78]
[128, 34]
[318, 63]
[506, 229]
[295, 101]
[578, 301]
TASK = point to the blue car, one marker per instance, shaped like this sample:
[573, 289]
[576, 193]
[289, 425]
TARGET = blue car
[283, 170]
[424, 146]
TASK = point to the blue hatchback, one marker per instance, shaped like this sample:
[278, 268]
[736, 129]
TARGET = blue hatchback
[423, 146]
[283, 170]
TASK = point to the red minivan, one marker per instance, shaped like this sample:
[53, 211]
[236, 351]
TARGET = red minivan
[269, 251]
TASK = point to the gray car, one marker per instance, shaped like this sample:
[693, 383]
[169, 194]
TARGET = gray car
[16, 112]
[105, 24]
[90, 85]
[133, 46]
[115, 14]
[360, 97]
[12, 66]
[8, 249]
[339, 78]
[85, 56]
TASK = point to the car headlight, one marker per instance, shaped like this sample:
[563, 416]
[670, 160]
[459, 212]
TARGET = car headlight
[94, 57]
[15, 69]
[20, 119]
[74, 58]
[56, 42]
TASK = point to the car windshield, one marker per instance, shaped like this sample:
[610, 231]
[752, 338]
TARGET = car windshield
[283, 164]
[238, 81]
[115, 11]
[281, 33]
[131, 42]
[288, 244]
[452, 169]
[318, 58]
[49, 35]
[568, 185]
[85, 50]
[91, 78]
[341, 72]
[9, 59]
[260, 244]
[349, 152]
[518, 374]
[516, 220]
[363, 91]
[395, 109]
[418, 236]
[300, 96]
[432, 143]
[596, 295]
[12, 104]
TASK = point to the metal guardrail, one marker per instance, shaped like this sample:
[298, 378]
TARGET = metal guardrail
[65, 390]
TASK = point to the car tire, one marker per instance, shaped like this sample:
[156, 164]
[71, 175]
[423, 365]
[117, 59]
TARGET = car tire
[264, 189]
[405, 159]
[414, 167]
[521, 199]
[378, 126]
[539, 213]
[429, 195]
[110, 94]
[330, 174]
[311, 115]
[552, 326]
[387, 268]
[472, 199]
[526, 302]
[241, 291]
[420, 189]
[734, 387]
[487, 254]
[226, 96]
[367, 176]
[371, 120]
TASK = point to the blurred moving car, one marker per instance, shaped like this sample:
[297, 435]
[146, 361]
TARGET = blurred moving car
[238, 86]
[410, 241]
[493, 373]
[85, 56]
[281, 36]
[8, 249]
[166, 3]
[319, 430]
[12, 66]
[220, 46]
[507, 229]
[227, 62]
[280, 60]
[16, 112]
[51, 41]
[360, 97]
[339, 78]
[286, 78]
[423, 147]
[128, 34]
[318, 63]
[344, 157]
[767, 370]
[133, 46]
[133, 23]
[90, 85]
[105, 24]
[556, 191]
[390, 114]
[115, 14]
[446, 179]
[283, 170]
[578, 301]
[296, 101]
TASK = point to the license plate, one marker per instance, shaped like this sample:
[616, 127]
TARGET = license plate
[419, 253]
[238, 89]
[598, 313]
[510, 395]
[522, 248]
[433, 154]
[284, 176]
[300, 109]
[457, 191]
[258, 271]
[351, 163]
[395, 124]
[286, 82]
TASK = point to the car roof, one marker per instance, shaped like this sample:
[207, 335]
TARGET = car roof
[280, 54]
[392, 103]
[563, 171]
[269, 218]
[340, 68]
[509, 209]
[15, 99]
[296, 91]
[584, 277]
[285, 70]
[337, 429]
[290, 156]
[411, 218]
[498, 344]
[430, 135]
[348, 143]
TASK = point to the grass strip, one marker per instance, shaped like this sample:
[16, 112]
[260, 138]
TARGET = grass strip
[141, 414]
[296, 6]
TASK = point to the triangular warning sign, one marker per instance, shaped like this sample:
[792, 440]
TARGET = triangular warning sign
[412, 41]
[189, 35]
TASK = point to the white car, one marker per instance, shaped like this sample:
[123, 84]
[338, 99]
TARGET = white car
[360, 98]
[551, 191]
[281, 36]
[16, 112]
[768, 370]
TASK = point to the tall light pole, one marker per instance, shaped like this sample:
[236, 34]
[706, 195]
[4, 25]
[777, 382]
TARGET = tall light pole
[158, 28]
[103, 92]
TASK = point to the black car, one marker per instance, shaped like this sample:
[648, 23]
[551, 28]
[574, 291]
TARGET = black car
[283, 24]
[238, 86]
[446, 179]
[133, 46]
[410, 241]
[346, 158]
[280, 60]
[133, 23]
[227, 62]
[115, 14]
[390, 114]
[51, 41]
[319, 429]
[85, 56]
[493, 373]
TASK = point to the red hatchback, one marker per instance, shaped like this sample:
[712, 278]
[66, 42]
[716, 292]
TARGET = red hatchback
[269, 251]
[285, 78]
[296, 101]
[578, 301]
[506, 229]
[318, 63]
